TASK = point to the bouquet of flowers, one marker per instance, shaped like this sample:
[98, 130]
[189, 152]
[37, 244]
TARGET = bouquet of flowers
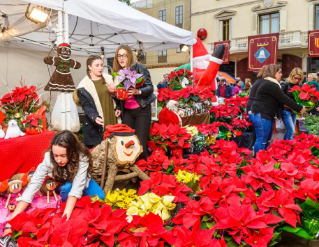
[126, 79]
[21, 102]
[305, 96]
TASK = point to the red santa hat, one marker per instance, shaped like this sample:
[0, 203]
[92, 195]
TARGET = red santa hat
[200, 54]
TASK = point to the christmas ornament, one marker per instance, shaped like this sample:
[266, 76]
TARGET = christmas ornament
[17, 115]
[202, 33]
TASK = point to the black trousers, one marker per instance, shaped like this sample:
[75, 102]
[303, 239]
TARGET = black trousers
[140, 120]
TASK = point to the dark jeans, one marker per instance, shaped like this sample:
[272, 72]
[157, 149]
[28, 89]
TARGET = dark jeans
[264, 129]
[140, 120]
[289, 119]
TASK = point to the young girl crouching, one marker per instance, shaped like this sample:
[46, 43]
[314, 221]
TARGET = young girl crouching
[69, 163]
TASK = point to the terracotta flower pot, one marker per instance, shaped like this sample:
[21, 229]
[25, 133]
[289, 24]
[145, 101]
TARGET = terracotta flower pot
[31, 131]
[238, 132]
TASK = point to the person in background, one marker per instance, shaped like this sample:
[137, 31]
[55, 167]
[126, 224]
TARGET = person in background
[247, 87]
[285, 113]
[164, 83]
[68, 162]
[312, 81]
[267, 101]
[136, 111]
[223, 89]
[237, 88]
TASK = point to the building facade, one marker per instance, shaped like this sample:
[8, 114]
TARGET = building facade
[236, 20]
[175, 12]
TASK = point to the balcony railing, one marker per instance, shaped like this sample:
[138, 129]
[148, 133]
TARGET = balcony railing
[291, 39]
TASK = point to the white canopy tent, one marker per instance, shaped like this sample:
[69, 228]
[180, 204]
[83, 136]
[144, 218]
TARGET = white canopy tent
[92, 24]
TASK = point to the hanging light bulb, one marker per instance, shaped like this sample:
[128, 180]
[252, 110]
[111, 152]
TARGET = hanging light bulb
[102, 55]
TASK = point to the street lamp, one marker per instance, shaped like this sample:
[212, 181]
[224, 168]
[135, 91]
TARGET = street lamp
[184, 48]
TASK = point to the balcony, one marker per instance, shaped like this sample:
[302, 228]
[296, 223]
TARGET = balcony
[287, 40]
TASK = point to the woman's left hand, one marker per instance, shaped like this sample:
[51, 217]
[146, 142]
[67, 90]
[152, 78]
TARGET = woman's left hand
[133, 91]
[317, 108]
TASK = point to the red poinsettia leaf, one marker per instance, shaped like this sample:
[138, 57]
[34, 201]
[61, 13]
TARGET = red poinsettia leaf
[304, 96]
[34, 122]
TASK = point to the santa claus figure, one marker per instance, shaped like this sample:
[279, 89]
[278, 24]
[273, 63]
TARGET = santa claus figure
[206, 66]
[171, 114]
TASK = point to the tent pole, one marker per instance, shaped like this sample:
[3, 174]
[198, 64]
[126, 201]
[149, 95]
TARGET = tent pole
[60, 28]
[191, 59]
[66, 28]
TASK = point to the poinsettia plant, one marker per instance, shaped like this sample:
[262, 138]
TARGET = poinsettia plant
[240, 124]
[162, 136]
[127, 78]
[34, 121]
[305, 96]
[21, 102]
[179, 79]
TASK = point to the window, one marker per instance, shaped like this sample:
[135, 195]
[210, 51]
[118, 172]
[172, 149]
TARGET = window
[162, 56]
[162, 15]
[317, 17]
[226, 30]
[178, 50]
[179, 16]
[269, 23]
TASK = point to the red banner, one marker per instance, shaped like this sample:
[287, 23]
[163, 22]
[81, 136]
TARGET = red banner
[313, 43]
[262, 50]
[227, 47]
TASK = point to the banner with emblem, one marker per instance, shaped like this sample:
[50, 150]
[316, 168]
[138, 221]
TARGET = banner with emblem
[262, 50]
[313, 43]
[227, 47]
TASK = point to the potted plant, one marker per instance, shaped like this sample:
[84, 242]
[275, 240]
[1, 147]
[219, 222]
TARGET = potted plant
[34, 124]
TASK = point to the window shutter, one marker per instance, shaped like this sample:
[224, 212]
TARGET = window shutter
[221, 29]
[255, 23]
[283, 20]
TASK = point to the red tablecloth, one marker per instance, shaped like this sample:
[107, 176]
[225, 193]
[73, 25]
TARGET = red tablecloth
[18, 155]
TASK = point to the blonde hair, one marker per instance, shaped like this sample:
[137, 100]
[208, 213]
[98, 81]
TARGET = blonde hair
[130, 58]
[247, 85]
[313, 76]
[296, 71]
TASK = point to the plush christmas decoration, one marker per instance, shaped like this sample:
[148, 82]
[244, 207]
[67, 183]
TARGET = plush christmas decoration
[170, 114]
[11, 208]
[49, 185]
[2, 134]
[61, 79]
[118, 152]
[206, 66]
[13, 130]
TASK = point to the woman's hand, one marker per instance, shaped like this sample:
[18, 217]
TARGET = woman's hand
[99, 121]
[111, 87]
[317, 109]
[303, 110]
[133, 91]
[118, 113]
[7, 231]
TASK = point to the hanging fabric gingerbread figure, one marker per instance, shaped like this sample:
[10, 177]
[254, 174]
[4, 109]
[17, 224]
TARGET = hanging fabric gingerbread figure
[61, 79]
[64, 115]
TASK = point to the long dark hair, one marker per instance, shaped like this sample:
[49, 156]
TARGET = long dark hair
[116, 65]
[75, 152]
[89, 61]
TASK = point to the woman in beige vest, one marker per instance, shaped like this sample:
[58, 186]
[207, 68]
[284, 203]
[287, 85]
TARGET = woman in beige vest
[94, 95]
